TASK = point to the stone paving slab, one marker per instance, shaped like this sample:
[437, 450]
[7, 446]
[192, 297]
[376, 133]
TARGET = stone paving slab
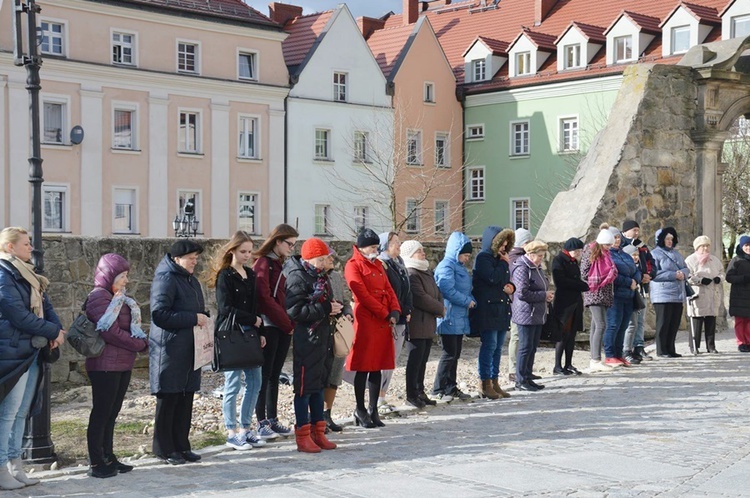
[673, 428]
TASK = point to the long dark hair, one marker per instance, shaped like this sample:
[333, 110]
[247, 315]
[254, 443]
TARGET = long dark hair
[222, 259]
[280, 232]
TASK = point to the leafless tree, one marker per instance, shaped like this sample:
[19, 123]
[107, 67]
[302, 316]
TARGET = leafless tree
[736, 181]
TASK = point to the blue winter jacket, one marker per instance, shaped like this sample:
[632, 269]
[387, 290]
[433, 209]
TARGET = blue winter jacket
[490, 275]
[627, 271]
[18, 324]
[665, 288]
[454, 282]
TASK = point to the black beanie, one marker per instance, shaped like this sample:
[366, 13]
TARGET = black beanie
[183, 247]
[367, 238]
[466, 249]
[628, 224]
[573, 244]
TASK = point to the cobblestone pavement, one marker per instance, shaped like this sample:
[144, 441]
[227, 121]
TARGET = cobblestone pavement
[673, 427]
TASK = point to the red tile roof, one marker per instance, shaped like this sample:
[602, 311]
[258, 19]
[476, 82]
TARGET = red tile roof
[235, 10]
[592, 33]
[498, 47]
[645, 23]
[704, 15]
[540, 40]
[303, 33]
[457, 27]
[387, 44]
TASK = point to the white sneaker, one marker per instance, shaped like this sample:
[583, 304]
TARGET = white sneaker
[598, 366]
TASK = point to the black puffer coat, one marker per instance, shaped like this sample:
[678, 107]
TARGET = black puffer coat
[312, 339]
[176, 300]
[234, 293]
[566, 275]
[490, 275]
[738, 274]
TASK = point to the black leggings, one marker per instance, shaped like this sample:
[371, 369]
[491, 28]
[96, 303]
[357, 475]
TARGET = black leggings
[174, 413]
[416, 364]
[565, 345]
[108, 391]
[274, 356]
[362, 378]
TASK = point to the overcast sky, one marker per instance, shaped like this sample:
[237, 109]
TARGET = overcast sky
[371, 8]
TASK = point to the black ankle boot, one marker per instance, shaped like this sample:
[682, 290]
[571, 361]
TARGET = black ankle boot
[362, 418]
[330, 423]
[375, 416]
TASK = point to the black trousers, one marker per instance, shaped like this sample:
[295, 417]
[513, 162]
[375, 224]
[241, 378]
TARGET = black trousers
[274, 356]
[174, 413]
[445, 378]
[566, 345]
[416, 364]
[668, 317]
[108, 391]
[710, 323]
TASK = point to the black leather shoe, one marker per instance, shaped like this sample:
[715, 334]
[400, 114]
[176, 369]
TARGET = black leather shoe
[173, 458]
[426, 399]
[664, 356]
[675, 355]
[573, 370]
[561, 371]
[375, 417]
[535, 377]
[190, 456]
[121, 467]
[330, 424]
[103, 471]
[526, 386]
[539, 387]
[362, 418]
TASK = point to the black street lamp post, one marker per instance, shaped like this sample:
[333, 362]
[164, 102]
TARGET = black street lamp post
[38, 446]
[187, 226]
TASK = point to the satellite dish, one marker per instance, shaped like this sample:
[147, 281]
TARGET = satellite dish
[76, 135]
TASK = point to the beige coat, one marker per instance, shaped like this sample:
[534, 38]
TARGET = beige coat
[709, 297]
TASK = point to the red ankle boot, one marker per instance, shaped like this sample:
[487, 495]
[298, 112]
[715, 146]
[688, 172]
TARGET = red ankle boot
[305, 443]
[319, 436]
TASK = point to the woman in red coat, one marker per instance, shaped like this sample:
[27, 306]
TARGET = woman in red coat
[376, 311]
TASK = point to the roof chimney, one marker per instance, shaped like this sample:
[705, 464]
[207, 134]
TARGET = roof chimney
[411, 11]
[283, 12]
[368, 25]
[541, 9]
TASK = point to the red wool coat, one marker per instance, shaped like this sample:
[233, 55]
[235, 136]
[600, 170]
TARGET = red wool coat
[373, 348]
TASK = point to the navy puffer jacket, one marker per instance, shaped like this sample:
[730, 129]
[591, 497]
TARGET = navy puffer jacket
[176, 300]
[530, 300]
[626, 273]
[491, 274]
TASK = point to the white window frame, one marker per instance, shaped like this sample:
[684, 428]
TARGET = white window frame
[743, 18]
[328, 152]
[445, 137]
[256, 64]
[616, 42]
[242, 134]
[198, 204]
[198, 149]
[134, 137]
[361, 218]
[64, 101]
[478, 66]
[575, 137]
[523, 63]
[522, 152]
[416, 159]
[133, 213]
[575, 48]
[325, 218]
[338, 87]
[361, 147]
[470, 184]
[470, 135]
[197, 56]
[413, 214]
[256, 214]
[63, 38]
[429, 92]
[63, 188]
[446, 216]
[133, 47]
[673, 38]
[514, 209]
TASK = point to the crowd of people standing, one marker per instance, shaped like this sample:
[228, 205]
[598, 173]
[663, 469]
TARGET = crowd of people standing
[296, 300]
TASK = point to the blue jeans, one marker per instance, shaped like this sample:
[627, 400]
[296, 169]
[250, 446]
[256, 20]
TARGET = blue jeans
[308, 408]
[528, 341]
[488, 362]
[634, 332]
[13, 411]
[232, 382]
[618, 318]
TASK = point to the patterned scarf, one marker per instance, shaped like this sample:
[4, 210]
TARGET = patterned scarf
[113, 311]
[602, 272]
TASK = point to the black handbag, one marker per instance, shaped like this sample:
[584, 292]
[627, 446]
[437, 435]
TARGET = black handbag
[689, 292]
[236, 347]
[638, 302]
[552, 328]
[84, 337]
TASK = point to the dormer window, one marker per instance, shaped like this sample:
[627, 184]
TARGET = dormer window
[680, 38]
[623, 49]
[578, 44]
[479, 69]
[572, 56]
[523, 63]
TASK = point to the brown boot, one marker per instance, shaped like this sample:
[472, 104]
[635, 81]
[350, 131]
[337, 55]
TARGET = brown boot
[498, 389]
[305, 443]
[319, 436]
[486, 391]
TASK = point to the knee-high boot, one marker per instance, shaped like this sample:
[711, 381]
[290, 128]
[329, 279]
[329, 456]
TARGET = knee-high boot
[372, 408]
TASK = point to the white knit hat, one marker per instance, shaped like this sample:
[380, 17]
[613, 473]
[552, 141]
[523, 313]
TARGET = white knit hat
[409, 247]
[605, 237]
[701, 240]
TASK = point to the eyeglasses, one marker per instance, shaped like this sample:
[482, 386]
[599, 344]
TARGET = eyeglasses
[290, 244]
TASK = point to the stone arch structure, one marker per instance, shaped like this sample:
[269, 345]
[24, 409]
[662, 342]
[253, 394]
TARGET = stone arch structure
[658, 159]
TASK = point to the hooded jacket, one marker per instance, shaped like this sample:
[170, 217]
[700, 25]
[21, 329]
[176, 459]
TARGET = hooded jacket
[121, 348]
[176, 300]
[490, 275]
[530, 301]
[454, 283]
[738, 274]
[665, 288]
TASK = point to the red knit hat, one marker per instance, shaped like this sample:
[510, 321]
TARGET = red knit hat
[313, 248]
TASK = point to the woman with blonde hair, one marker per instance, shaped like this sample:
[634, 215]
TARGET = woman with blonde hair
[277, 326]
[706, 277]
[27, 323]
[234, 282]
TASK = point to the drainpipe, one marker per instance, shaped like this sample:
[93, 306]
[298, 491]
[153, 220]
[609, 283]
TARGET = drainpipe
[292, 81]
[461, 97]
